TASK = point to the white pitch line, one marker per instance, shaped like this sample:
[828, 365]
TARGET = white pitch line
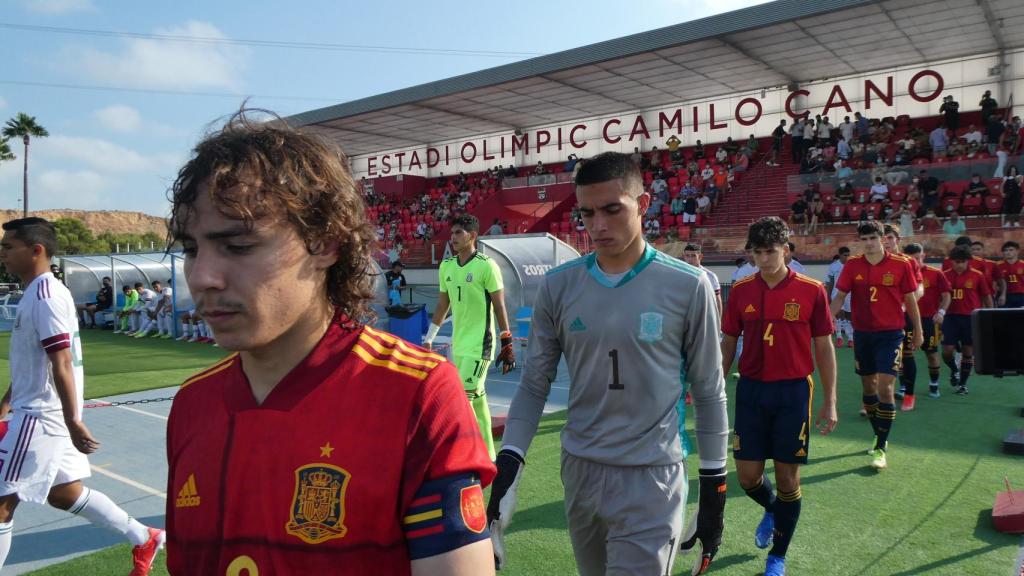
[130, 482]
[143, 412]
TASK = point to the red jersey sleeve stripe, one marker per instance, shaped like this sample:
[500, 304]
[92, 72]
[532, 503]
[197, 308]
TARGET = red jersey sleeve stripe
[433, 499]
[420, 533]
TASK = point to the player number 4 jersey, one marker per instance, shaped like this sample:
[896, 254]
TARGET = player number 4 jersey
[46, 322]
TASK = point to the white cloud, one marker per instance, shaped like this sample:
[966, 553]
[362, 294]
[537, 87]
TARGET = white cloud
[55, 7]
[165, 64]
[80, 189]
[106, 156]
[119, 118]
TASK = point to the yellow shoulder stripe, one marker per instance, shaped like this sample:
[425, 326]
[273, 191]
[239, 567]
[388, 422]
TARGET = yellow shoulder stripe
[398, 354]
[807, 279]
[744, 280]
[423, 355]
[372, 360]
[218, 367]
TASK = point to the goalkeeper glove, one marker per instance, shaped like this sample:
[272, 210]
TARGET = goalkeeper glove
[507, 357]
[707, 535]
[428, 340]
[503, 500]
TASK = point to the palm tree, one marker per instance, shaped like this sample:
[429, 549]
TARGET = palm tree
[25, 126]
[5, 151]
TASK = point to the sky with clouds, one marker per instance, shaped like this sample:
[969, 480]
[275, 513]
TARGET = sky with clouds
[123, 110]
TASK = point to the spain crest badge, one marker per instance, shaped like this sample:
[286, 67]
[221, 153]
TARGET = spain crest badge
[318, 507]
[791, 312]
[888, 279]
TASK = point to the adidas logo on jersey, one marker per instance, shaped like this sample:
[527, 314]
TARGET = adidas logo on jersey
[859, 277]
[577, 325]
[188, 497]
[801, 453]
[749, 309]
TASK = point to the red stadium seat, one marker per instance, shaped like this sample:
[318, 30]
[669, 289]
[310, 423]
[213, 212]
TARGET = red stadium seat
[554, 228]
[994, 203]
[971, 206]
[667, 221]
[950, 205]
[898, 193]
[861, 195]
[564, 227]
[873, 210]
[854, 210]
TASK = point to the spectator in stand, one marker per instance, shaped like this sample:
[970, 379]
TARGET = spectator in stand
[659, 188]
[1017, 127]
[930, 223]
[703, 203]
[809, 133]
[843, 149]
[954, 226]
[798, 216]
[752, 146]
[688, 189]
[572, 160]
[913, 194]
[742, 163]
[993, 133]
[103, 302]
[731, 147]
[988, 107]
[707, 174]
[791, 260]
[713, 191]
[815, 209]
[442, 180]
[654, 158]
[676, 207]
[692, 168]
[540, 170]
[976, 188]
[652, 228]
[938, 140]
[777, 135]
[824, 131]
[421, 230]
[879, 190]
[721, 178]
[863, 128]
[1011, 192]
[796, 140]
[721, 155]
[1003, 156]
[576, 169]
[957, 148]
[951, 110]
[883, 133]
[973, 151]
[673, 143]
[929, 188]
[655, 208]
[698, 150]
[636, 157]
[973, 135]
[843, 170]
[495, 229]
[689, 209]
[511, 171]
[847, 129]
[844, 192]
[905, 217]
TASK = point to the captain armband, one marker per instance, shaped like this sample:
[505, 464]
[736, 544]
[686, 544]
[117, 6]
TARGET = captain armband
[445, 514]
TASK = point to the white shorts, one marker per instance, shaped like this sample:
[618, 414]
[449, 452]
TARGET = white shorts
[34, 457]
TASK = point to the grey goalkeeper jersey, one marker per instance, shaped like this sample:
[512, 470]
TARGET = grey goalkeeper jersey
[632, 349]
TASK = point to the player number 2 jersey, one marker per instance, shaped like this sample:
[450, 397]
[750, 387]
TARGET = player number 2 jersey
[46, 322]
[469, 287]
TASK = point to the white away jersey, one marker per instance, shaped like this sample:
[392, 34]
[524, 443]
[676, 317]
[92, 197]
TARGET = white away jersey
[834, 270]
[46, 322]
[147, 299]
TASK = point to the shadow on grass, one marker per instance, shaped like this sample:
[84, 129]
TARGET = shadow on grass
[549, 515]
[50, 544]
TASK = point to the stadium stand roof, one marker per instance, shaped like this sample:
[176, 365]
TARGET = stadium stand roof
[765, 46]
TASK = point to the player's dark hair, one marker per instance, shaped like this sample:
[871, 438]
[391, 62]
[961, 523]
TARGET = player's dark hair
[1010, 244]
[611, 166]
[253, 169]
[125, 288]
[692, 247]
[890, 229]
[34, 230]
[106, 278]
[870, 227]
[467, 222]
[962, 241]
[960, 253]
[913, 248]
[740, 262]
[768, 232]
[140, 285]
[844, 250]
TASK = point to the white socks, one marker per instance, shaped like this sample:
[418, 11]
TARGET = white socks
[6, 532]
[97, 508]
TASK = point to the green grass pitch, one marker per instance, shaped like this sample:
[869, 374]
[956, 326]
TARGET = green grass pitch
[929, 513]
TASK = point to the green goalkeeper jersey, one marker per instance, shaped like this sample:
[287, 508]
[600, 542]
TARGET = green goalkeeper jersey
[469, 287]
[130, 300]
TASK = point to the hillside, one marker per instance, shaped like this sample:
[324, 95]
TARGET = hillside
[99, 221]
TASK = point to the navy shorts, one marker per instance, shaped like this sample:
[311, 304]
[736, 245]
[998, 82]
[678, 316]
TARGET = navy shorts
[1014, 301]
[932, 338]
[908, 332]
[956, 329]
[773, 420]
[878, 352]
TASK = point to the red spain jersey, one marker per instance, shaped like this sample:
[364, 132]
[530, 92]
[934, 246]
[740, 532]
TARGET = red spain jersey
[877, 290]
[966, 290]
[1014, 276]
[987, 267]
[777, 325]
[327, 475]
[935, 284]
